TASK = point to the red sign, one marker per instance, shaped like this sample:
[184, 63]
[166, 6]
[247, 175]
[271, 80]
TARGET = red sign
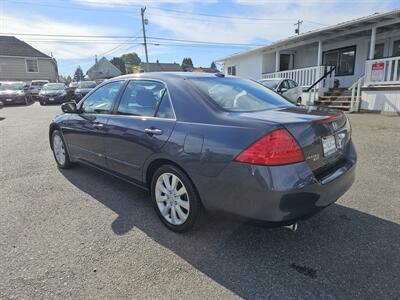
[378, 66]
[378, 71]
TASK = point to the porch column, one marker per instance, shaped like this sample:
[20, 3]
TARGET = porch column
[277, 61]
[372, 44]
[319, 62]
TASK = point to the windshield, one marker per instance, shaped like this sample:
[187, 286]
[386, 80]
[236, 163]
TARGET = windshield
[14, 86]
[86, 85]
[236, 94]
[73, 84]
[271, 84]
[38, 83]
[53, 86]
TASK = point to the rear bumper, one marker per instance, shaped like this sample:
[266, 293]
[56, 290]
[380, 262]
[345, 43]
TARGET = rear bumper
[281, 194]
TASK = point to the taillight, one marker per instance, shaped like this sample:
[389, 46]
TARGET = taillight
[276, 148]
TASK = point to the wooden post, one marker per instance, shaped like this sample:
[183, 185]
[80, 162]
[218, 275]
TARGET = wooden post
[277, 61]
[372, 44]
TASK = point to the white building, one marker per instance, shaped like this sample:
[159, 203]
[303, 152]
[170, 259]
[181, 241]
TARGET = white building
[362, 55]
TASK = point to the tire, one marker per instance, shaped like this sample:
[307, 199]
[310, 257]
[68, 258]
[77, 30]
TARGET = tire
[42, 103]
[60, 150]
[299, 100]
[177, 212]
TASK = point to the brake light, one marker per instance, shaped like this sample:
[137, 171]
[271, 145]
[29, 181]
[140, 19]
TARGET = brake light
[276, 148]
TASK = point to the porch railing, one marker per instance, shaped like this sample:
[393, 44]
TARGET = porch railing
[356, 94]
[305, 77]
[384, 71]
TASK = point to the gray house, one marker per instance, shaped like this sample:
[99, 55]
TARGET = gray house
[21, 62]
[102, 69]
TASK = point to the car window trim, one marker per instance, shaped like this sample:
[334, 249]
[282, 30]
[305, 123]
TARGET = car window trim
[115, 110]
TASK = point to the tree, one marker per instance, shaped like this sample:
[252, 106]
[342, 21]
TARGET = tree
[187, 63]
[119, 63]
[213, 66]
[131, 59]
[78, 75]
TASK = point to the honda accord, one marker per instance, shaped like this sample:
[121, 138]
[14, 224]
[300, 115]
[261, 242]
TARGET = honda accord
[208, 142]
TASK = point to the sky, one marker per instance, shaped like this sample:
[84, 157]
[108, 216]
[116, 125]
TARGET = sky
[239, 25]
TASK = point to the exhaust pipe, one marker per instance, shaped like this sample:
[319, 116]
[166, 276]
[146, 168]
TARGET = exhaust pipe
[293, 227]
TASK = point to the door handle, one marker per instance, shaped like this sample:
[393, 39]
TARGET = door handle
[153, 131]
[98, 125]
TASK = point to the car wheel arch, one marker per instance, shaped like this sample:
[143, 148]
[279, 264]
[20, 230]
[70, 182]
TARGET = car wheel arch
[155, 164]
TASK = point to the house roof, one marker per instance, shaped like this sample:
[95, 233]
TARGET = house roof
[325, 32]
[11, 46]
[103, 68]
[162, 67]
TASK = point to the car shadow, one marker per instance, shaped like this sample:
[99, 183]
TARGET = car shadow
[340, 253]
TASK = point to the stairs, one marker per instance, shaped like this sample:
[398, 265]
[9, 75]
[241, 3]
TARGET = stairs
[339, 98]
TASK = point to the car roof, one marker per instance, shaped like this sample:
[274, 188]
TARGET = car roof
[170, 75]
[272, 79]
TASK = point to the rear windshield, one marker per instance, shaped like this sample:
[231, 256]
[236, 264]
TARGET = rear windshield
[240, 95]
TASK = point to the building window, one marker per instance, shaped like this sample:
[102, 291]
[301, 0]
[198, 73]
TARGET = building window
[232, 70]
[396, 48]
[379, 50]
[32, 66]
[343, 59]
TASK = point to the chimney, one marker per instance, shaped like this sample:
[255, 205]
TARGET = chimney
[157, 61]
[95, 58]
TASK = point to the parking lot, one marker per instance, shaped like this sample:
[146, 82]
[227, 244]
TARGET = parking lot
[82, 234]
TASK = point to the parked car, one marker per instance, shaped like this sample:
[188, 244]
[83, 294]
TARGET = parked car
[54, 93]
[286, 87]
[208, 141]
[14, 92]
[35, 87]
[83, 88]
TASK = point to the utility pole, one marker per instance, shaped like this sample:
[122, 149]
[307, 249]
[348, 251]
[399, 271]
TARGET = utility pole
[297, 30]
[144, 22]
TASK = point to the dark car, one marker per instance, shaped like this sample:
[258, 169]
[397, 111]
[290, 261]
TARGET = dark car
[54, 93]
[35, 87]
[208, 141]
[14, 92]
[83, 88]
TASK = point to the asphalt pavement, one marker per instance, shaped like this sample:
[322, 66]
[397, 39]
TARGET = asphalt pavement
[80, 234]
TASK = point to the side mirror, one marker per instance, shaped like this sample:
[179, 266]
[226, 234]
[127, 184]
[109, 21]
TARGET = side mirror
[69, 107]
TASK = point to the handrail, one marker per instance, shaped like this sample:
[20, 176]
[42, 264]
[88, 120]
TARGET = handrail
[322, 78]
[356, 94]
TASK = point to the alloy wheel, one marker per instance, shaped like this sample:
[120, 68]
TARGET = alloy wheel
[59, 150]
[172, 199]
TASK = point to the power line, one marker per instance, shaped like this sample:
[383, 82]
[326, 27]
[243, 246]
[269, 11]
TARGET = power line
[288, 20]
[128, 37]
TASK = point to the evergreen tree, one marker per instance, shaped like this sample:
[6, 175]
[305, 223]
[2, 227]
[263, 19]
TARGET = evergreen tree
[187, 64]
[78, 75]
[119, 63]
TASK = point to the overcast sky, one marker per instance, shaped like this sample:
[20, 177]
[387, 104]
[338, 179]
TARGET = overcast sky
[122, 18]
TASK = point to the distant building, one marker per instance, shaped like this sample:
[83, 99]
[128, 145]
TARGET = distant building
[203, 70]
[161, 67]
[102, 69]
[21, 62]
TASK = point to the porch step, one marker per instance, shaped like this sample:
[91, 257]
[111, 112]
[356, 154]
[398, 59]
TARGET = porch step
[344, 98]
[333, 102]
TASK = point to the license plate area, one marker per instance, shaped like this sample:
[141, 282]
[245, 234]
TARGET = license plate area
[329, 145]
[51, 99]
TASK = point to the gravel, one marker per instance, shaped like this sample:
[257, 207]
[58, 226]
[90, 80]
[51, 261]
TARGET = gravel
[82, 234]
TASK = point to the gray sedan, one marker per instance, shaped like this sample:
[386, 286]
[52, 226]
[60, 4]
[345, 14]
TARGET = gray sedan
[286, 87]
[209, 142]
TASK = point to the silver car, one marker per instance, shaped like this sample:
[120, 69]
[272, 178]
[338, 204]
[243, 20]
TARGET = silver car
[286, 87]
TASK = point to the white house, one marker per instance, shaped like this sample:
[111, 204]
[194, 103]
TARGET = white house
[361, 55]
